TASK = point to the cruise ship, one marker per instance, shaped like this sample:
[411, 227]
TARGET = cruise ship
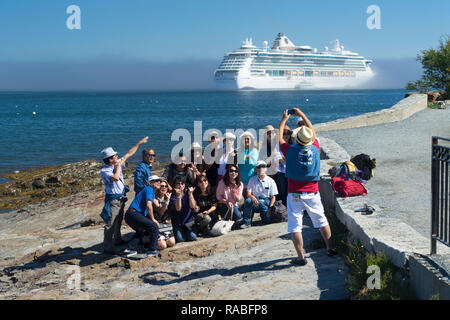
[286, 66]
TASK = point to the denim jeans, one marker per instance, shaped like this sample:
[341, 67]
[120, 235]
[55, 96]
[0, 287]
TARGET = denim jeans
[223, 209]
[141, 224]
[250, 208]
[183, 234]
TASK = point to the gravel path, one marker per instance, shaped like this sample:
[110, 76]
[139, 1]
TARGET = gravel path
[401, 185]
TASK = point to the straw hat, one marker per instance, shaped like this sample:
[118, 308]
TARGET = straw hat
[269, 128]
[303, 136]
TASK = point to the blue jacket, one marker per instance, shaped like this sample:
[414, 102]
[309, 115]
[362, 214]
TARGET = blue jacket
[303, 163]
[106, 212]
[141, 175]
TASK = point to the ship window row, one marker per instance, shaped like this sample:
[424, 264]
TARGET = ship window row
[309, 68]
[231, 65]
[304, 66]
[298, 62]
[307, 73]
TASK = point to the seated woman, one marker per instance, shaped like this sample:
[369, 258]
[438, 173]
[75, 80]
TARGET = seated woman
[229, 193]
[205, 196]
[166, 237]
[182, 205]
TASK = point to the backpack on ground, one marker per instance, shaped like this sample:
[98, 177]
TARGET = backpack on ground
[365, 164]
[348, 188]
[346, 170]
[279, 212]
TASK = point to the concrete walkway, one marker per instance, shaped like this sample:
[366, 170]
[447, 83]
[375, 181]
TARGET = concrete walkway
[401, 185]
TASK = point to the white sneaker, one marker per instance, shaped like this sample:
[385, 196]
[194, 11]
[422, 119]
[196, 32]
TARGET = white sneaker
[130, 253]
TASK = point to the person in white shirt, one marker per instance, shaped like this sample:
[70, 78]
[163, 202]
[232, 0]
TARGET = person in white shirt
[262, 192]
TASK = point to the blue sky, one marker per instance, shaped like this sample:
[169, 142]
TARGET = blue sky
[167, 31]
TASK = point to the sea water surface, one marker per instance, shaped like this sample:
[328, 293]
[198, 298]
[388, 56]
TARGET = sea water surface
[51, 128]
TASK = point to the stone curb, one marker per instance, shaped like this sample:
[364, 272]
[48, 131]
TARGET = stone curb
[400, 111]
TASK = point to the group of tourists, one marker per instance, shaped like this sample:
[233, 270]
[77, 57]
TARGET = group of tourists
[192, 195]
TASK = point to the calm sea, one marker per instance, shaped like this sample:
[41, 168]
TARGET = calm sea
[42, 129]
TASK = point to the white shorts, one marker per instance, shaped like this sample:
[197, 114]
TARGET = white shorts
[297, 203]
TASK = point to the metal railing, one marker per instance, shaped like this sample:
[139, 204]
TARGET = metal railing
[440, 200]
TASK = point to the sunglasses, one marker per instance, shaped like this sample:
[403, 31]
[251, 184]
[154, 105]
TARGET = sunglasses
[233, 171]
[151, 155]
[259, 167]
[163, 186]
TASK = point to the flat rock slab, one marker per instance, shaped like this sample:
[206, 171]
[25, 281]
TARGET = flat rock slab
[254, 263]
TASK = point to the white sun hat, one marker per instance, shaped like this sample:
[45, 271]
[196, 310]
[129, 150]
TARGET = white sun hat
[260, 162]
[153, 178]
[196, 145]
[229, 135]
[247, 134]
[107, 152]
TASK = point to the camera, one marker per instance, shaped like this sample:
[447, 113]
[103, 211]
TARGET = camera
[291, 111]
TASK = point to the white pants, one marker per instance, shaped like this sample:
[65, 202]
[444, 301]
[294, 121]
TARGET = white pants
[297, 203]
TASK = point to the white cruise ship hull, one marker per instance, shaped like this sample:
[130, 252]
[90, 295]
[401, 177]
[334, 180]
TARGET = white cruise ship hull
[285, 83]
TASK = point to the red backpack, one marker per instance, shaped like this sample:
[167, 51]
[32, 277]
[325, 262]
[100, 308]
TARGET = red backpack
[348, 188]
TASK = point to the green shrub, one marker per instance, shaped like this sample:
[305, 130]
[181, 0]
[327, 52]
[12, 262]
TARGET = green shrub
[358, 259]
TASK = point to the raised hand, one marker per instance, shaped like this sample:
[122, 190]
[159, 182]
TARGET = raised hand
[144, 140]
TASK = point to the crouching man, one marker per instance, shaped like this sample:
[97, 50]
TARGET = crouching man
[115, 198]
[262, 191]
[303, 173]
[141, 219]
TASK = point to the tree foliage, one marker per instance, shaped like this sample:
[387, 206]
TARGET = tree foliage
[436, 69]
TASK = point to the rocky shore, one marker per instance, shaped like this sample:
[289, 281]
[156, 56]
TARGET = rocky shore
[38, 186]
[42, 245]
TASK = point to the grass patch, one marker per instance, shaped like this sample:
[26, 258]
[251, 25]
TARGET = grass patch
[358, 258]
[434, 105]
